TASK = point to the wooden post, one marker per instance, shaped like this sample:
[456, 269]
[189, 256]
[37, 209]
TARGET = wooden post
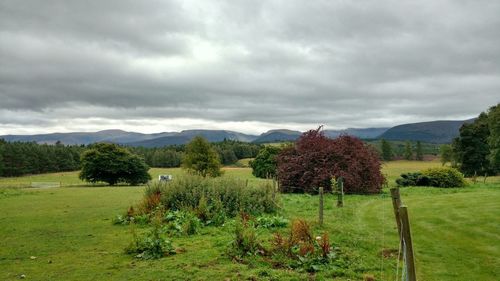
[321, 205]
[396, 203]
[340, 192]
[246, 183]
[274, 189]
[410, 258]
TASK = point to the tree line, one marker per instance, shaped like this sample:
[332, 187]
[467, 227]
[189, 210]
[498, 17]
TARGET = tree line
[228, 151]
[21, 158]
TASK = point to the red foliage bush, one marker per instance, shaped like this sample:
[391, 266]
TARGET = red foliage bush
[315, 159]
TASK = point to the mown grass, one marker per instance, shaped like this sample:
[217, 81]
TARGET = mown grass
[456, 234]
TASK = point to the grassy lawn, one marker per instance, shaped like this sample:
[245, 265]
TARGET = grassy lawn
[456, 233]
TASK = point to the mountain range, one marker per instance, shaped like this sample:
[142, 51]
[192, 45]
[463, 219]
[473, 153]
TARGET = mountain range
[434, 131]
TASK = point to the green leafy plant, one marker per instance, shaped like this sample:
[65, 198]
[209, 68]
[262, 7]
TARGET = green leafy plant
[181, 223]
[271, 222]
[152, 245]
[245, 242]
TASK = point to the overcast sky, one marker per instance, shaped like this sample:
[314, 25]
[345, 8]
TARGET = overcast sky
[249, 66]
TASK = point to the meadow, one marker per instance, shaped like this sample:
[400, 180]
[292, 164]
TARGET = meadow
[67, 233]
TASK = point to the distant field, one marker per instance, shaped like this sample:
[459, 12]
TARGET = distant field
[68, 179]
[456, 233]
[391, 170]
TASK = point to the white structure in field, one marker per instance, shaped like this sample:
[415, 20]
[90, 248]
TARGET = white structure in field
[165, 177]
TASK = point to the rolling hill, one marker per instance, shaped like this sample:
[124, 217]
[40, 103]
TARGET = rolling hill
[362, 133]
[278, 136]
[432, 132]
[185, 136]
[117, 136]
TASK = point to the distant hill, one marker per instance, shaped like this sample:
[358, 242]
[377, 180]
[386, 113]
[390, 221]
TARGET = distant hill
[432, 132]
[185, 136]
[278, 136]
[131, 138]
[362, 133]
[83, 137]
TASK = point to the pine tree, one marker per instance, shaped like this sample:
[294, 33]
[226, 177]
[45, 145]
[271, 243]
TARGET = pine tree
[408, 151]
[201, 158]
[386, 150]
[419, 154]
[494, 138]
[471, 148]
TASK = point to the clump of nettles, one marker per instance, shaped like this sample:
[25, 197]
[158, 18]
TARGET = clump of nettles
[271, 222]
[181, 223]
[245, 242]
[151, 245]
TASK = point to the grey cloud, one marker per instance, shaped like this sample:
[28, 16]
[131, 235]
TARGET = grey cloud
[359, 63]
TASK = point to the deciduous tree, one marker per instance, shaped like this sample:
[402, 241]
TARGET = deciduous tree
[315, 159]
[113, 164]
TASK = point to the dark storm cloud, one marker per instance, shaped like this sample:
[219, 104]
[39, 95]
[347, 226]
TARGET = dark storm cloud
[340, 63]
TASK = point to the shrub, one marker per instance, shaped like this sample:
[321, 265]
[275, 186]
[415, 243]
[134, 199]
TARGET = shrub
[315, 159]
[213, 199]
[437, 177]
[444, 177]
[410, 179]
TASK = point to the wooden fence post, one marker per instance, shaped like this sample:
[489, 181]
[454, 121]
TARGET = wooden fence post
[340, 192]
[274, 189]
[321, 205]
[410, 258]
[396, 203]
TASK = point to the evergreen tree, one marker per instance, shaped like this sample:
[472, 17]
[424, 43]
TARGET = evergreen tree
[386, 150]
[408, 154]
[471, 148]
[494, 138]
[2, 143]
[228, 157]
[419, 154]
[201, 158]
[265, 163]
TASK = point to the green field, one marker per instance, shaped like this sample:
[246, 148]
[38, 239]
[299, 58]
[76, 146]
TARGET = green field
[456, 233]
